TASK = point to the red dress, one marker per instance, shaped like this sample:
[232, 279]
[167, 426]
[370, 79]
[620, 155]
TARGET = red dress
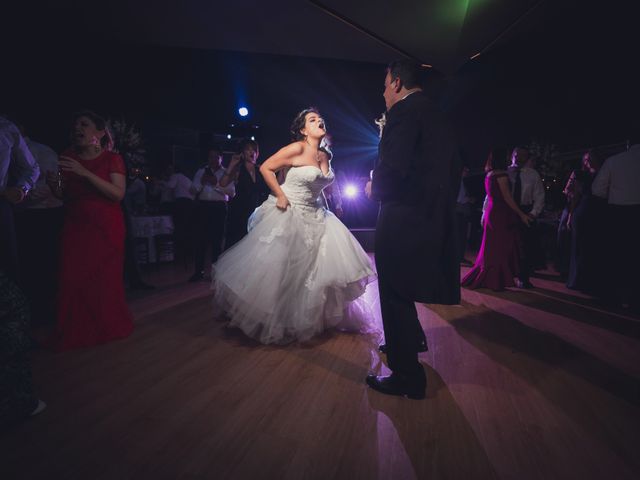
[497, 262]
[91, 301]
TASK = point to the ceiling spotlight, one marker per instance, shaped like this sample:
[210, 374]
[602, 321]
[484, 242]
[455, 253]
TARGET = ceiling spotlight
[243, 111]
[253, 138]
[228, 136]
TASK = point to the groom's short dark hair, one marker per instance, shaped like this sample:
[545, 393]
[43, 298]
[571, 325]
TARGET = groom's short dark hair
[408, 71]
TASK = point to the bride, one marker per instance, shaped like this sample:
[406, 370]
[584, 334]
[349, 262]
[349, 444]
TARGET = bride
[298, 271]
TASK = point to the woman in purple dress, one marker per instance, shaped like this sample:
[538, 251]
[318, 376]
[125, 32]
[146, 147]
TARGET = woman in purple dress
[497, 262]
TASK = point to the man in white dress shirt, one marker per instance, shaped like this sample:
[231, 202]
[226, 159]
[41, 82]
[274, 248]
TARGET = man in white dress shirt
[182, 192]
[618, 182]
[19, 173]
[211, 210]
[40, 217]
[528, 192]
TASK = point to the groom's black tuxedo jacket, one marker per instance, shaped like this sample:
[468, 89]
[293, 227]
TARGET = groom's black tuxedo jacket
[417, 180]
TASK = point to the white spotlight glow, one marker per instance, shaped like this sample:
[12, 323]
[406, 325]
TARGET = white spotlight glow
[351, 191]
[243, 111]
[228, 136]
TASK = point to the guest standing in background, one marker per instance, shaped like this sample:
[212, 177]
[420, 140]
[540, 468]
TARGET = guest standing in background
[618, 182]
[528, 193]
[498, 260]
[250, 190]
[580, 223]
[40, 217]
[211, 210]
[17, 398]
[16, 161]
[563, 236]
[183, 210]
[91, 302]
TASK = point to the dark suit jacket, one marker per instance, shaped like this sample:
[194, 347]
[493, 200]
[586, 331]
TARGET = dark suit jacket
[417, 181]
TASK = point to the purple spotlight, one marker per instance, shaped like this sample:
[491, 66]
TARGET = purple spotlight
[350, 190]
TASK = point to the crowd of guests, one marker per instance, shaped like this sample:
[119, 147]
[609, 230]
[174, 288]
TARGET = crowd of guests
[600, 227]
[210, 211]
[66, 242]
[598, 230]
[66, 238]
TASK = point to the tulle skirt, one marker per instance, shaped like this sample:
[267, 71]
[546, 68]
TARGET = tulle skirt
[295, 274]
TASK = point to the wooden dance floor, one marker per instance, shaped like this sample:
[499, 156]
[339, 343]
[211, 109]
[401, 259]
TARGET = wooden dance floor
[540, 384]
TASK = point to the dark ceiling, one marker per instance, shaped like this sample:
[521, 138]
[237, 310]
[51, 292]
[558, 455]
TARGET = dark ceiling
[562, 70]
[443, 33]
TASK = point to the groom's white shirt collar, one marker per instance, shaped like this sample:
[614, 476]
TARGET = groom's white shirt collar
[410, 93]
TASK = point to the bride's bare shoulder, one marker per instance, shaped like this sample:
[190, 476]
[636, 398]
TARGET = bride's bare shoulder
[295, 148]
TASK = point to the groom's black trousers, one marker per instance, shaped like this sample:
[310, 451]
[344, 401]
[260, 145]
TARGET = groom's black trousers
[402, 331]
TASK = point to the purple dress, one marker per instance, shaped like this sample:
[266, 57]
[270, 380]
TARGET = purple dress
[497, 262]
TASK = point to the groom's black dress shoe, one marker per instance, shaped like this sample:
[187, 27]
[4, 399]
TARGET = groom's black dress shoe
[421, 348]
[396, 384]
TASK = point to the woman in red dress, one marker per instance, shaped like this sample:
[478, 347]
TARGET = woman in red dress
[91, 302]
[497, 262]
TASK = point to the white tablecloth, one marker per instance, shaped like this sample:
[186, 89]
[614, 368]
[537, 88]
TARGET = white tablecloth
[149, 227]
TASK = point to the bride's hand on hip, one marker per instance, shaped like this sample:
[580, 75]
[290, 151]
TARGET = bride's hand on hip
[282, 202]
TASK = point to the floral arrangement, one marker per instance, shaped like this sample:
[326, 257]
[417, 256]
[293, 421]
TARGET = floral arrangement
[548, 162]
[127, 141]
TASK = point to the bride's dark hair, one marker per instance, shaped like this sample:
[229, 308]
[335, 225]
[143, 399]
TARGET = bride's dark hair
[298, 123]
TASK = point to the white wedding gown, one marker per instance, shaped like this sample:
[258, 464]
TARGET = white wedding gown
[297, 272]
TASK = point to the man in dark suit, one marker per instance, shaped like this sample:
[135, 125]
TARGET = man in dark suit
[416, 249]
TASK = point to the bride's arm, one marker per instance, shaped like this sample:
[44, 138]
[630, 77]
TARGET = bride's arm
[281, 159]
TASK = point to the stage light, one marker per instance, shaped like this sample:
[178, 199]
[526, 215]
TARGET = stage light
[253, 138]
[351, 191]
[228, 136]
[243, 111]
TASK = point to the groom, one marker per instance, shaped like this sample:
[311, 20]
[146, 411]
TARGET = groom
[416, 182]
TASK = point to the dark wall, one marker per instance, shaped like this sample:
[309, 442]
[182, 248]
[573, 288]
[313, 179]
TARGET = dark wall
[570, 80]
